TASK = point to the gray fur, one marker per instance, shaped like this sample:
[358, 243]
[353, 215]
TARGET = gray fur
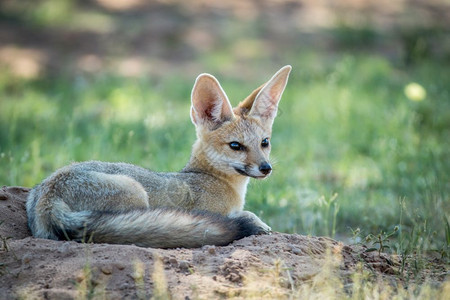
[65, 206]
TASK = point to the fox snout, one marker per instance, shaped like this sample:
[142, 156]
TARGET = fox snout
[262, 171]
[265, 168]
[255, 171]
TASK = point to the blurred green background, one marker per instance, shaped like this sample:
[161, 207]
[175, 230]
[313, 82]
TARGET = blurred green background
[361, 143]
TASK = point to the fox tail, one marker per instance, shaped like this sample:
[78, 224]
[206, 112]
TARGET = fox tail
[157, 228]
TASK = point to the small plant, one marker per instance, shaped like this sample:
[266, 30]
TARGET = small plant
[331, 209]
[161, 290]
[87, 284]
[380, 241]
[356, 235]
[138, 276]
[445, 253]
[84, 286]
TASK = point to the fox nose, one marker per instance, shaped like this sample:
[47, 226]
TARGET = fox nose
[265, 168]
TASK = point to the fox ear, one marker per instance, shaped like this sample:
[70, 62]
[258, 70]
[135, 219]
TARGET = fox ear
[265, 103]
[210, 105]
[244, 107]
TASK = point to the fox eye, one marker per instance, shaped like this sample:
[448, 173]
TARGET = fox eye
[265, 143]
[236, 146]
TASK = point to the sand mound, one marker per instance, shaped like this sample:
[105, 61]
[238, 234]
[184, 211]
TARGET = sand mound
[258, 266]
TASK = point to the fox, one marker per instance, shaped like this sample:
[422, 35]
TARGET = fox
[203, 204]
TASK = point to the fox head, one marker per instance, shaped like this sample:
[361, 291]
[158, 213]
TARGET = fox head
[235, 141]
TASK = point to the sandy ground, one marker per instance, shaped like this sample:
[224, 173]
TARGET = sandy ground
[258, 266]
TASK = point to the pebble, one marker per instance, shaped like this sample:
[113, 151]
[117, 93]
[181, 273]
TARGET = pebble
[296, 251]
[212, 250]
[233, 277]
[27, 258]
[107, 270]
[65, 248]
[184, 265]
[124, 286]
[80, 276]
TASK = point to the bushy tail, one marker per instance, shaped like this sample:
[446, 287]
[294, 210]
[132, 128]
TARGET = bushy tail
[159, 227]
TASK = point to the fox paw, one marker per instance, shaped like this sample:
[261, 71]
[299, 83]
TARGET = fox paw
[264, 228]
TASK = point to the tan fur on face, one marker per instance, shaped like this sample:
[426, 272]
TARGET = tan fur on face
[247, 131]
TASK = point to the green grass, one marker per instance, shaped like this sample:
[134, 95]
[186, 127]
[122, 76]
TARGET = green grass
[345, 127]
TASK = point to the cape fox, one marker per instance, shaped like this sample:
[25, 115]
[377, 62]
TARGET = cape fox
[202, 204]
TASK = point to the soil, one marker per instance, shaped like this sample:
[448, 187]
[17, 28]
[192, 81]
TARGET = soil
[65, 270]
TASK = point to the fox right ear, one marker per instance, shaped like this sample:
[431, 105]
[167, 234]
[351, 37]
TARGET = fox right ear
[210, 104]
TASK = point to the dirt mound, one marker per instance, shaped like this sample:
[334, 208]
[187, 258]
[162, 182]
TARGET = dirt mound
[13, 216]
[259, 266]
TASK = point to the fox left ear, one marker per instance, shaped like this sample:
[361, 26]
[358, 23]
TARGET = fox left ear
[265, 105]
